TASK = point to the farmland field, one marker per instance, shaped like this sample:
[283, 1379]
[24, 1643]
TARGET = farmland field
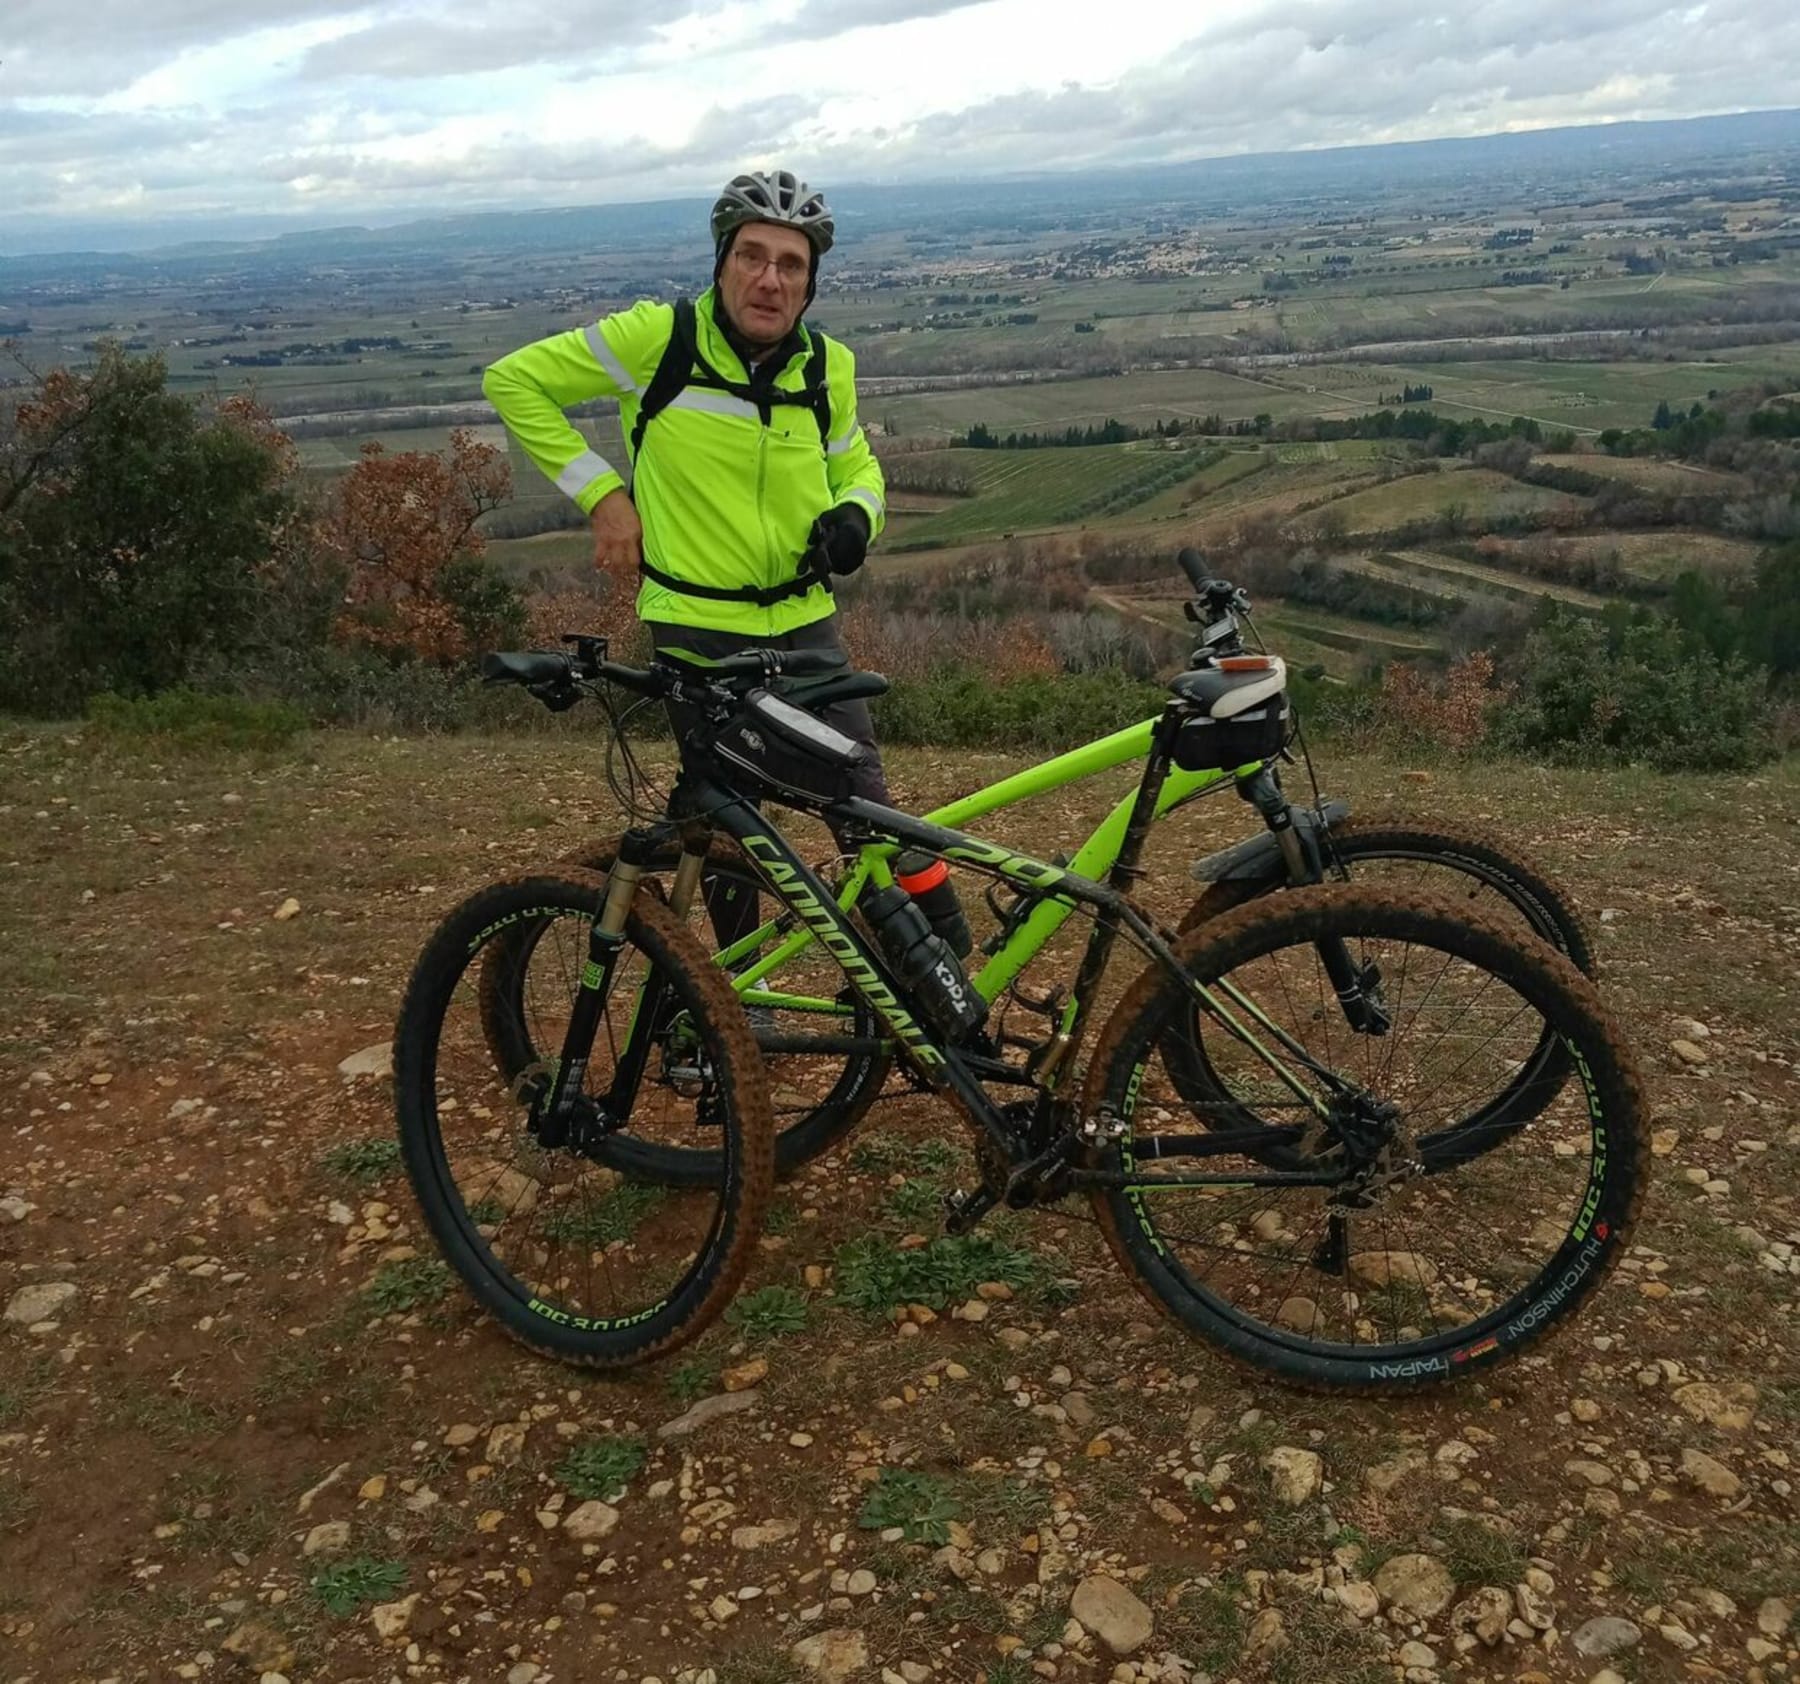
[1480, 493]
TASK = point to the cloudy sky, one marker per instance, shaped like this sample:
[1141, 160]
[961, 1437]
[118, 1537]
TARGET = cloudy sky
[136, 113]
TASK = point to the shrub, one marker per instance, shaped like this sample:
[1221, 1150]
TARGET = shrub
[189, 719]
[1633, 688]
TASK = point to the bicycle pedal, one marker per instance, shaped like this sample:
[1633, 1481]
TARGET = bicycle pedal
[963, 1210]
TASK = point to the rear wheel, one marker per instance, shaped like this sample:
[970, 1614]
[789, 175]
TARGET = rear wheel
[1417, 1251]
[574, 1254]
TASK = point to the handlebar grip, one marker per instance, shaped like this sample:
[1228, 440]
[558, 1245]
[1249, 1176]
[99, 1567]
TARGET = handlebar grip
[532, 666]
[1193, 564]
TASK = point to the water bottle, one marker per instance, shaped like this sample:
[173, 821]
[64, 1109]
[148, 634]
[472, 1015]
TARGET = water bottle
[923, 961]
[927, 880]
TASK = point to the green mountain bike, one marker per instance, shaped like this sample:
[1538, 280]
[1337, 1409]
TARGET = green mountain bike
[1331, 1130]
[827, 1052]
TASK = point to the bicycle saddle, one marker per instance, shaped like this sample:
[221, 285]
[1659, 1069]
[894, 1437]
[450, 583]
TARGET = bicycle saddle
[1226, 690]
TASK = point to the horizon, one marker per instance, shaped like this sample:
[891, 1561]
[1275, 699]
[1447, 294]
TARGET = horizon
[182, 235]
[303, 113]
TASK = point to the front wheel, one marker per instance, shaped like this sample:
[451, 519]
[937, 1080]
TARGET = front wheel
[1477, 871]
[574, 1256]
[1399, 1252]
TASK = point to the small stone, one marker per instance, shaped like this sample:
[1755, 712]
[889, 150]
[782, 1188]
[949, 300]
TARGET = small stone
[506, 1444]
[707, 1410]
[722, 1608]
[289, 908]
[1774, 1616]
[1385, 1268]
[1107, 1609]
[1294, 1475]
[39, 1302]
[1678, 1637]
[758, 1537]
[745, 1375]
[15, 1209]
[461, 1434]
[374, 1060]
[391, 1619]
[974, 1310]
[1014, 1339]
[1266, 1638]
[1535, 1609]
[590, 1522]
[1485, 1613]
[834, 1655]
[1585, 1409]
[1417, 1654]
[1301, 1314]
[1384, 1476]
[1730, 1408]
[331, 1537]
[1709, 1474]
[1079, 1411]
[262, 1647]
[1687, 1052]
[1415, 1584]
[523, 1673]
[372, 1489]
[1588, 1472]
[1360, 1597]
[860, 1583]
[1605, 1636]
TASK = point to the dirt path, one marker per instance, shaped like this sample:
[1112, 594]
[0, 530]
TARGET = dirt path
[249, 1351]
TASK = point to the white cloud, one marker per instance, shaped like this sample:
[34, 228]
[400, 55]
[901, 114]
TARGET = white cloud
[170, 108]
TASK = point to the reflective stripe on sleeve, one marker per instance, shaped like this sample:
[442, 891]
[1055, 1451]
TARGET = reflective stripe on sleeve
[582, 472]
[714, 403]
[861, 494]
[837, 447]
[603, 355]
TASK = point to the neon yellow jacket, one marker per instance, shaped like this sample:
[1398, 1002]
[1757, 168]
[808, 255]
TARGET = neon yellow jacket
[725, 500]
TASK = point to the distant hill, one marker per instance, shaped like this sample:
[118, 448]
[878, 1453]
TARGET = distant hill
[1564, 161]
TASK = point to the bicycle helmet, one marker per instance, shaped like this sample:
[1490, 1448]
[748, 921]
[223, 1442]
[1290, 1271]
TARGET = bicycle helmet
[777, 196]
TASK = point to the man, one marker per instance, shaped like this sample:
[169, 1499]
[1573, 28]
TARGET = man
[751, 479]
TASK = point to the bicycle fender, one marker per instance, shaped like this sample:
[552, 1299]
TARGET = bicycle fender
[1258, 857]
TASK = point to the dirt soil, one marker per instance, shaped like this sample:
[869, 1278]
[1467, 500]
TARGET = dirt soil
[229, 1346]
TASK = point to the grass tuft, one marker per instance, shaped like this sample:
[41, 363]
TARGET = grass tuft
[874, 1274]
[920, 1504]
[601, 1468]
[364, 1161]
[406, 1285]
[769, 1312]
[346, 1586]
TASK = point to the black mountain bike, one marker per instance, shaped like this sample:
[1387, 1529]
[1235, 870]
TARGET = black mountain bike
[1331, 1131]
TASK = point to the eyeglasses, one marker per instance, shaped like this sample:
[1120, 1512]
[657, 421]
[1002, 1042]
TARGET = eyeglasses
[750, 263]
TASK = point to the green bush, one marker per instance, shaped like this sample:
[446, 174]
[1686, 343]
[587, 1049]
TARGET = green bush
[1632, 687]
[959, 708]
[191, 719]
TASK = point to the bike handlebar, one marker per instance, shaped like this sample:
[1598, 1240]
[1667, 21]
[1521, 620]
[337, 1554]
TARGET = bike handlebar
[554, 675]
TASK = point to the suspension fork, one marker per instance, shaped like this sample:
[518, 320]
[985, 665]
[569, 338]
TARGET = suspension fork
[606, 941]
[1357, 986]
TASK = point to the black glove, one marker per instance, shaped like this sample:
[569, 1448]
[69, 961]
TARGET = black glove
[839, 540]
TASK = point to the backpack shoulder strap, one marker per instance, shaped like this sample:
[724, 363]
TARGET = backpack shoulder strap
[818, 385]
[673, 372]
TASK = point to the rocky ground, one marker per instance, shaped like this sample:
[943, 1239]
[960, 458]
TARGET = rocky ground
[249, 1429]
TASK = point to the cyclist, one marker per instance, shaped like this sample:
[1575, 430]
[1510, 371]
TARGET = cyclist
[752, 482]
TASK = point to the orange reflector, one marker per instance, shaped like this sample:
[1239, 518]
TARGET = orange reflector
[1246, 663]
